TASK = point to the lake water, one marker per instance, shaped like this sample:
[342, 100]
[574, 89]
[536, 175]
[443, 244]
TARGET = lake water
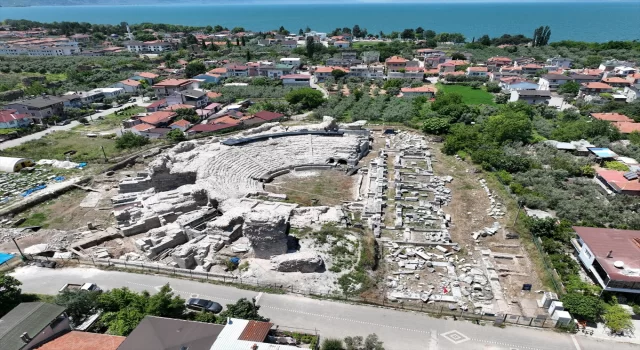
[573, 21]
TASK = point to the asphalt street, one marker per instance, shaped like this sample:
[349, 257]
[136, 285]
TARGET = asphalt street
[399, 330]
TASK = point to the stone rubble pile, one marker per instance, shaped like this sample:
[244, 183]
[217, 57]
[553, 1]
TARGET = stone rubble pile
[487, 231]
[496, 209]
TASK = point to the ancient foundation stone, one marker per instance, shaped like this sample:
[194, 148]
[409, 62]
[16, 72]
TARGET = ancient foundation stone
[305, 262]
[267, 233]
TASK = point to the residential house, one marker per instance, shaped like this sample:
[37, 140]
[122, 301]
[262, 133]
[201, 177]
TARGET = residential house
[424, 90]
[291, 61]
[129, 86]
[71, 100]
[616, 82]
[289, 44]
[323, 72]
[30, 325]
[496, 76]
[11, 119]
[237, 70]
[141, 128]
[624, 71]
[181, 124]
[149, 77]
[159, 333]
[612, 117]
[210, 128]
[208, 78]
[559, 62]
[632, 92]
[341, 44]
[39, 108]
[611, 255]
[531, 97]
[610, 65]
[156, 106]
[240, 334]
[434, 61]
[516, 83]
[451, 65]
[313, 33]
[592, 72]
[595, 88]
[395, 64]
[531, 68]
[477, 72]
[177, 106]
[428, 53]
[167, 87]
[76, 340]
[349, 55]
[511, 69]
[495, 63]
[367, 71]
[410, 72]
[553, 81]
[369, 57]
[627, 127]
[155, 133]
[159, 119]
[296, 80]
[269, 116]
[342, 62]
[148, 46]
[81, 38]
[195, 98]
[275, 71]
[220, 72]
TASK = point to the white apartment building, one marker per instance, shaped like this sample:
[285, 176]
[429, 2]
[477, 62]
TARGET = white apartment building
[59, 49]
[366, 71]
[149, 46]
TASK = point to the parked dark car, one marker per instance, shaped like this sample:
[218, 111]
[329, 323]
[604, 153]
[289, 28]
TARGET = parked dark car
[204, 305]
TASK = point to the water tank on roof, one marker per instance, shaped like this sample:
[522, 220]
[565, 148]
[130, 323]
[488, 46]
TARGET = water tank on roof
[619, 264]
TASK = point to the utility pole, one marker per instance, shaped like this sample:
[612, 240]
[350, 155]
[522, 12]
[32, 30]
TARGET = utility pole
[104, 153]
[20, 250]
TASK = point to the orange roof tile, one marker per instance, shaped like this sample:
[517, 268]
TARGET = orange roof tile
[615, 80]
[220, 70]
[181, 122]
[617, 180]
[130, 82]
[225, 120]
[596, 85]
[329, 69]
[626, 127]
[75, 340]
[256, 331]
[173, 82]
[148, 75]
[143, 127]
[179, 106]
[477, 69]
[396, 59]
[158, 117]
[612, 117]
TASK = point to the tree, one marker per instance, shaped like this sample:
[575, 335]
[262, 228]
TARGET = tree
[356, 32]
[307, 29]
[248, 56]
[130, 140]
[509, 127]
[493, 87]
[165, 304]
[78, 303]
[485, 40]
[310, 46]
[475, 85]
[228, 43]
[458, 56]
[283, 31]
[9, 293]
[616, 318]
[237, 42]
[176, 135]
[332, 344]
[358, 343]
[502, 99]
[218, 28]
[206, 317]
[436, 126]
[243, 41]
[408, 34]
[244, 309]
[419, 31]
[541, 36]
[124, 321]
[189, 114]
[308, 98]
[237, 30]
[338, 73]
[429, 34]
[194, 68]
[570, 87]
[583, 307]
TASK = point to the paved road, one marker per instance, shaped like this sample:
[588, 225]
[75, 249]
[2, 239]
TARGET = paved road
[399, 330]
[313, 82]
[37, 135]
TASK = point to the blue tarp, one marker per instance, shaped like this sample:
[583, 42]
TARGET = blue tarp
[82, 165]
[602, 152]
[59, 178]
[235, 260]
[4, 257]
[31, 190]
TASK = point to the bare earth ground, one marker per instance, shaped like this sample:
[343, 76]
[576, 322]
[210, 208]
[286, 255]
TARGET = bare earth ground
[310, 188]
[468, 210]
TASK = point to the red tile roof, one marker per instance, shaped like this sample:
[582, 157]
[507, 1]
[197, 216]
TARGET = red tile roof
[158, 103]
[9, 115]
[477, 69]
[213, 105]
[623, 245]
[626, 127]
[225, 119]
[296, 76]
[616, 80]
[396, 59]
[179, 106]
[143, 127]
[148, 75]
[220, 70]
[612, 117]
[329, 69]
[173, 82]
[596, 85]
[75, 340]
[158, 117]
[503, 60]
[256, 331]
[131, 82]
[181, 122]
[532, 66]
[268, 116]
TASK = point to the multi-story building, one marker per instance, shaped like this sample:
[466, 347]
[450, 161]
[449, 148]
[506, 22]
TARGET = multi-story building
[148, 46]
[166, 87]
[39, 108]
[62, 48]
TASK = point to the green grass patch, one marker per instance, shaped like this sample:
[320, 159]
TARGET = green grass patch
[36, 219]
[469, 95]
[7, 131]
[54, 145]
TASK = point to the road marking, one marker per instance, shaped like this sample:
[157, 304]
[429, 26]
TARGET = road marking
[433, 343]
[510, 346]
[575, 342]
[258, 298]
[455, 337]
